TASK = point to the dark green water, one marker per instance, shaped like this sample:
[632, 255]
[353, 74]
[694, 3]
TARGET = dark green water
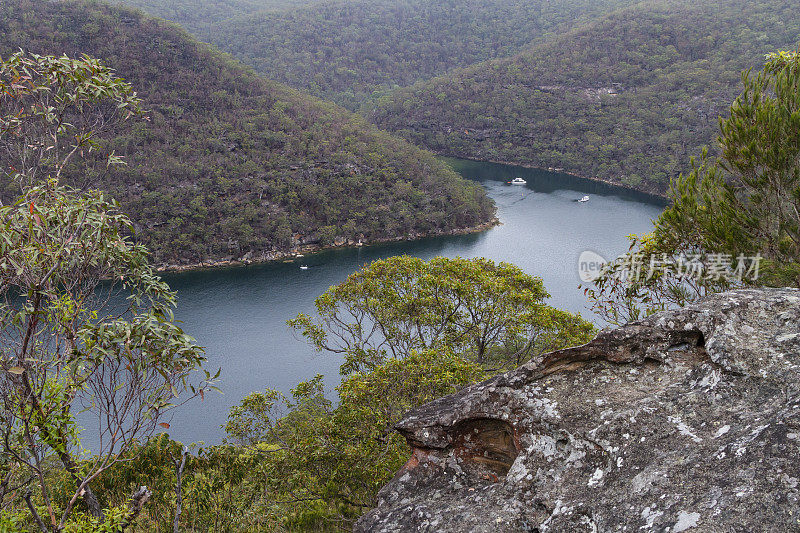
[239, 314]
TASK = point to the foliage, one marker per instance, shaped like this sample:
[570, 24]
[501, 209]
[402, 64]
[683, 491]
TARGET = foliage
[627, 98]
[350, 51]
[86, 324]
[628, 288]
[230, 165]
[342, 456]
[114, 520]
[53, 109]
[297, 463]
[472, 307]
[74, 341]
[221, 489]
[744, 204]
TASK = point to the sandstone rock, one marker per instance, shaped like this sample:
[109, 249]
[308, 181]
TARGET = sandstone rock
[686, 421]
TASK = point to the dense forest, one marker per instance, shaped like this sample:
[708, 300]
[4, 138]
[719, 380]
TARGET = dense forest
[350, 51]
[228, 164]
[199, 15]
[223, 163]
[620, 90]
[628, 98]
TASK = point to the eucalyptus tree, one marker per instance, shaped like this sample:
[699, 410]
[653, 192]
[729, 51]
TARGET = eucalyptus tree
[86, 324]
[473, 307]
[53, 111]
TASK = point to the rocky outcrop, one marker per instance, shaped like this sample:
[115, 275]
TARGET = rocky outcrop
[686, 421]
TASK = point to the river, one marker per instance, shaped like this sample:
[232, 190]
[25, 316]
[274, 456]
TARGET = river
[239, 314]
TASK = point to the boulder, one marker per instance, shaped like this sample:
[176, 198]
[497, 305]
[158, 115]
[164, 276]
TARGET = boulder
[688, 420]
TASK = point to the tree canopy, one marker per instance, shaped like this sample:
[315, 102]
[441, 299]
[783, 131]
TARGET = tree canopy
[472, 307]
[328, 462]
[202, 16]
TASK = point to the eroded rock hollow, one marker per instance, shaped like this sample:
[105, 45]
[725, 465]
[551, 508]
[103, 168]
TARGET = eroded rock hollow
[686, 421]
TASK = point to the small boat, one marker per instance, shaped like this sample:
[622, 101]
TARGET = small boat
[303, 267]
[584, 199]
[518, 181]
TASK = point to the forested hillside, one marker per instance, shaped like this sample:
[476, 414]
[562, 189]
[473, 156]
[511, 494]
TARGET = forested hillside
[346, 51]
[199, 15]
[228, 163]
[627, 98]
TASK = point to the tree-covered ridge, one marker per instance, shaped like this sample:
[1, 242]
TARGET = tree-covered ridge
[200, 15]
[628, 98]
[346, 51]
[229, 163]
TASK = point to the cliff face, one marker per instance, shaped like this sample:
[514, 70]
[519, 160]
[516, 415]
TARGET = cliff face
[686, 421]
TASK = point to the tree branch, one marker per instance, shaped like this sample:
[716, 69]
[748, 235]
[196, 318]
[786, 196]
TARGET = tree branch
[138, 499]
[32, 509]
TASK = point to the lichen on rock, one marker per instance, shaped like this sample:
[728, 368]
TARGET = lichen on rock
[688, 420]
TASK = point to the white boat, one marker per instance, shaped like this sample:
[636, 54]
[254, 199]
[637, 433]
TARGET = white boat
[518, 181]
[584, 199]
[303, 267]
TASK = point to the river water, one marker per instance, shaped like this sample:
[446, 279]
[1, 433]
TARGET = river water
[239, 314]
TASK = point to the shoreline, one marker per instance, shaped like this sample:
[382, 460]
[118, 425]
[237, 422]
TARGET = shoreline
[272, 257]
[604, 181]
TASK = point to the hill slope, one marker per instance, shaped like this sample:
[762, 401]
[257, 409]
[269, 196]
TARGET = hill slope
[345, 51]
[231, 164]
[201, 15]
[627, 98]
